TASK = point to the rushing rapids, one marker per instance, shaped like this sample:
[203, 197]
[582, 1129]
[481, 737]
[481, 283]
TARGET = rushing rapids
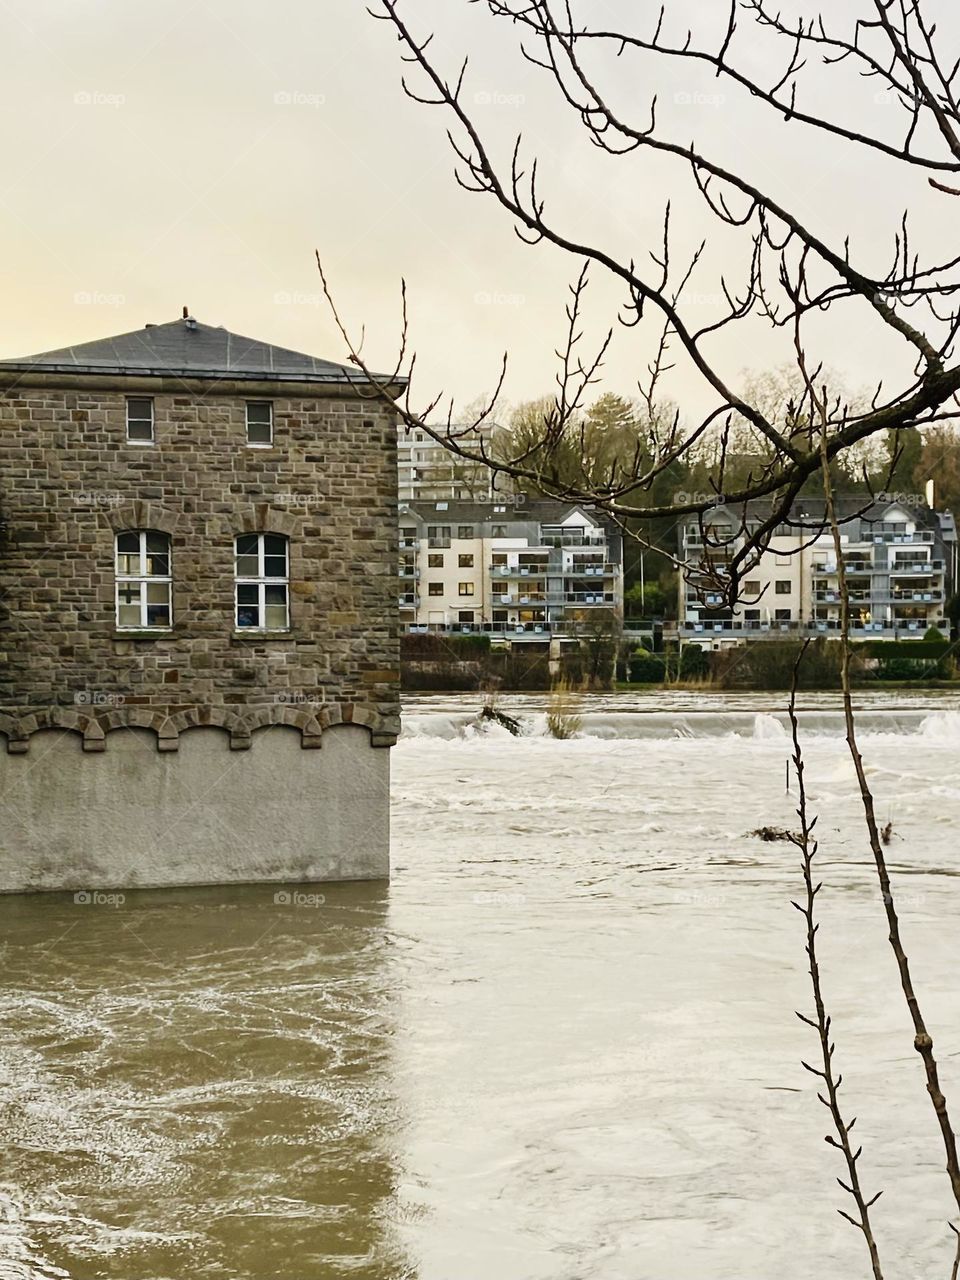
[560, 1045]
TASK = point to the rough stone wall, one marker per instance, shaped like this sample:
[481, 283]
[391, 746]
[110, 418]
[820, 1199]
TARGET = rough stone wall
[69, 481]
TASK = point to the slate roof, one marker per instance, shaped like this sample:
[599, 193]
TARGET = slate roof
[187, 349]
[523, 511]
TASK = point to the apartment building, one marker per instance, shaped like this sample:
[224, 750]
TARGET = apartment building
[899, 556]
[427, 472]
[520, 571]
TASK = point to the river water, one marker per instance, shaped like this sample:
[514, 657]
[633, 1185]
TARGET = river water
[560, 1046]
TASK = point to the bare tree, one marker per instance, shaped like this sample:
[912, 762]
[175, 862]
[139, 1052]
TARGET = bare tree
[789, 276]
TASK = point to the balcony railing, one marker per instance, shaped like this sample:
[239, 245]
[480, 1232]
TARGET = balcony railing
[509, 630]
[598, 570]
[409, 571]
[886, 535]
[587, 597]
[409, 601]
[899, 567]
[750, 626]
[519, 571]
[573, 540]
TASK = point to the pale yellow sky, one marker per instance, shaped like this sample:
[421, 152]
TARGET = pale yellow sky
[197, 151]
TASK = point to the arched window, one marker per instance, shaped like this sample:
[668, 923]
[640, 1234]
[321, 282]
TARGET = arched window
[263, 581]
[144, 582]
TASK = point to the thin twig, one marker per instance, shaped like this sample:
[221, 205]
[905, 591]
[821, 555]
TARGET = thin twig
[808, 846]
[923, 1041]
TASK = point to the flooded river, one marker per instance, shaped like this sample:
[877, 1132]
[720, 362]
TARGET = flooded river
[561, 1045]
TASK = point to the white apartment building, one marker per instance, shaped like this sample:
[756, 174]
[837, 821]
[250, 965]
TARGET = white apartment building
[900, 563]
[516, 570]
[427, 472]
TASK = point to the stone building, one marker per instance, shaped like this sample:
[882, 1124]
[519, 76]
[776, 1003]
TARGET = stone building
[198, 614]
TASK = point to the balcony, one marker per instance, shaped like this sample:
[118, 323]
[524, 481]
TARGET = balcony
[409, 571]
[409, 544]
[409, 601]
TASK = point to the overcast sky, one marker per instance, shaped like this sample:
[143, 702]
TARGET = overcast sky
[197, 151]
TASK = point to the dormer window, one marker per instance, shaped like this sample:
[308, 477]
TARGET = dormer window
[259, 424]
[139, 421]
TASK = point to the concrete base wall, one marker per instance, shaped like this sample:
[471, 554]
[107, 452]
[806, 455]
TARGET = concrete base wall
[131, 816]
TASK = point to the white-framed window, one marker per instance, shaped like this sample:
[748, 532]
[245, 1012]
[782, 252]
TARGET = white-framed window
[139, 420]
[259, 424]
[262, 582]
[144, 581]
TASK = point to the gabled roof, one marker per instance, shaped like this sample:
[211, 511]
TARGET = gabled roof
[187, 349]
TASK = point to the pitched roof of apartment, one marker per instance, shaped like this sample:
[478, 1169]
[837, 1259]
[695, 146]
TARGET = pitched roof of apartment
[813, 511]
[186, 348]
[525, 510]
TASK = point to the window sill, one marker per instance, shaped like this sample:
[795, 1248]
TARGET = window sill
[250, 445]
[142, 444]
[253, 633]
[142, 633]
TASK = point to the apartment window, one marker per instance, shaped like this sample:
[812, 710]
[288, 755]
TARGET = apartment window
[465, 562]
[499, 559]
[782, 615]
[465, 531]
[781, 560]
[435, 560]
[438, 535]
[752, 588]
[259, 423]
[143, 580]
[435, 589]
[464, 588]
[262, 582]
[501, 615]
[498, 531]
[751, 615]
[139, 421]
[783, 586]
[465, 615]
